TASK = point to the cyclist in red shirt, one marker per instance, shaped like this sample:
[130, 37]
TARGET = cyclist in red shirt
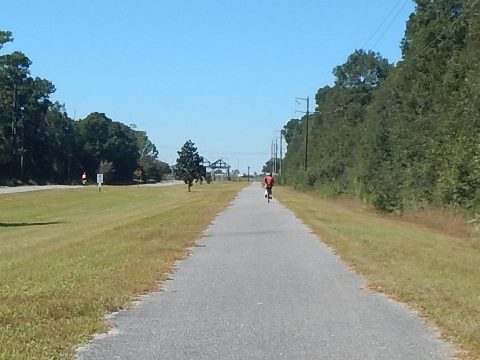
[269, 183]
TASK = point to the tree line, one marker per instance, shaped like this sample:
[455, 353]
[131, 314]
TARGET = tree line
[402, 135]
[39, 143]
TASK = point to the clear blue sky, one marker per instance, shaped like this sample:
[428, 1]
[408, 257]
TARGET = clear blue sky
[222, 73]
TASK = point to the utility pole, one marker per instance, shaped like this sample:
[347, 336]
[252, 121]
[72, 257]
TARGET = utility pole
[307, 99]
[277, 159]
[306, 137]
[281, 154]
[273, 161]
[280, 159]
[271, 157]
[276, 156]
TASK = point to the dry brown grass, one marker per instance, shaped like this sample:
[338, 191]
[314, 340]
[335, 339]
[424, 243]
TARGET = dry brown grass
[446, 221]
[427, 260]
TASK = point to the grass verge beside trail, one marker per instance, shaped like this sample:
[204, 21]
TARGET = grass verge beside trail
[435, 273]
[70, 256]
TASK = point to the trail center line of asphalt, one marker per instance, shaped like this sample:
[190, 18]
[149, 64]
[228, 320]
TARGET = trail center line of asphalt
[261, 286]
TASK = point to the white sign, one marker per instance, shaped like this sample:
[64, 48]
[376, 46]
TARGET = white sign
[99, 179]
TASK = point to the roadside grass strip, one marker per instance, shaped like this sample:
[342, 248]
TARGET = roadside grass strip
[68, 257]
[429, 269]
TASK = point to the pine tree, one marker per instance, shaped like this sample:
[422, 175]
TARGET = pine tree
[188, 166]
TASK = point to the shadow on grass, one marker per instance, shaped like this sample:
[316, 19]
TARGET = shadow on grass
[30, 224]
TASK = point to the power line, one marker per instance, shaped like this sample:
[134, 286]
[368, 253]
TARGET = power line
[391, 23]
[307, 99]
[381, 24]
[422, 50]
[375, 44]
[370, 90]
[370, 38]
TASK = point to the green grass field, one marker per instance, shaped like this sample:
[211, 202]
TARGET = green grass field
[68, 257]
[432, 270]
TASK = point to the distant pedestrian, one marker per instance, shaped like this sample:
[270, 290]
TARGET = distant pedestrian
[84, 178]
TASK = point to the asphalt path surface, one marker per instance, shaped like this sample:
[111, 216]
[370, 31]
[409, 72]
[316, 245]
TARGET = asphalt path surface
[261, 286]
[17, 189]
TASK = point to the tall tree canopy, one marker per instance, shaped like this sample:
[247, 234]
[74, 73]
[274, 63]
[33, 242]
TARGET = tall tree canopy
[404, 135]
[101, 138]
[24, 103]
[40, 143]
[363, 68]
[335, 126]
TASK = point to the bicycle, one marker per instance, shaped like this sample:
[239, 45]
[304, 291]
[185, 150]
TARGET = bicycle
[268, 195]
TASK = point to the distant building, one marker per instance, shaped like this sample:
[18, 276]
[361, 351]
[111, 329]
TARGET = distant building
[220, 170]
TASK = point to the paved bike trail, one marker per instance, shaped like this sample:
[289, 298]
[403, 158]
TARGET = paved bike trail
[261, 286]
